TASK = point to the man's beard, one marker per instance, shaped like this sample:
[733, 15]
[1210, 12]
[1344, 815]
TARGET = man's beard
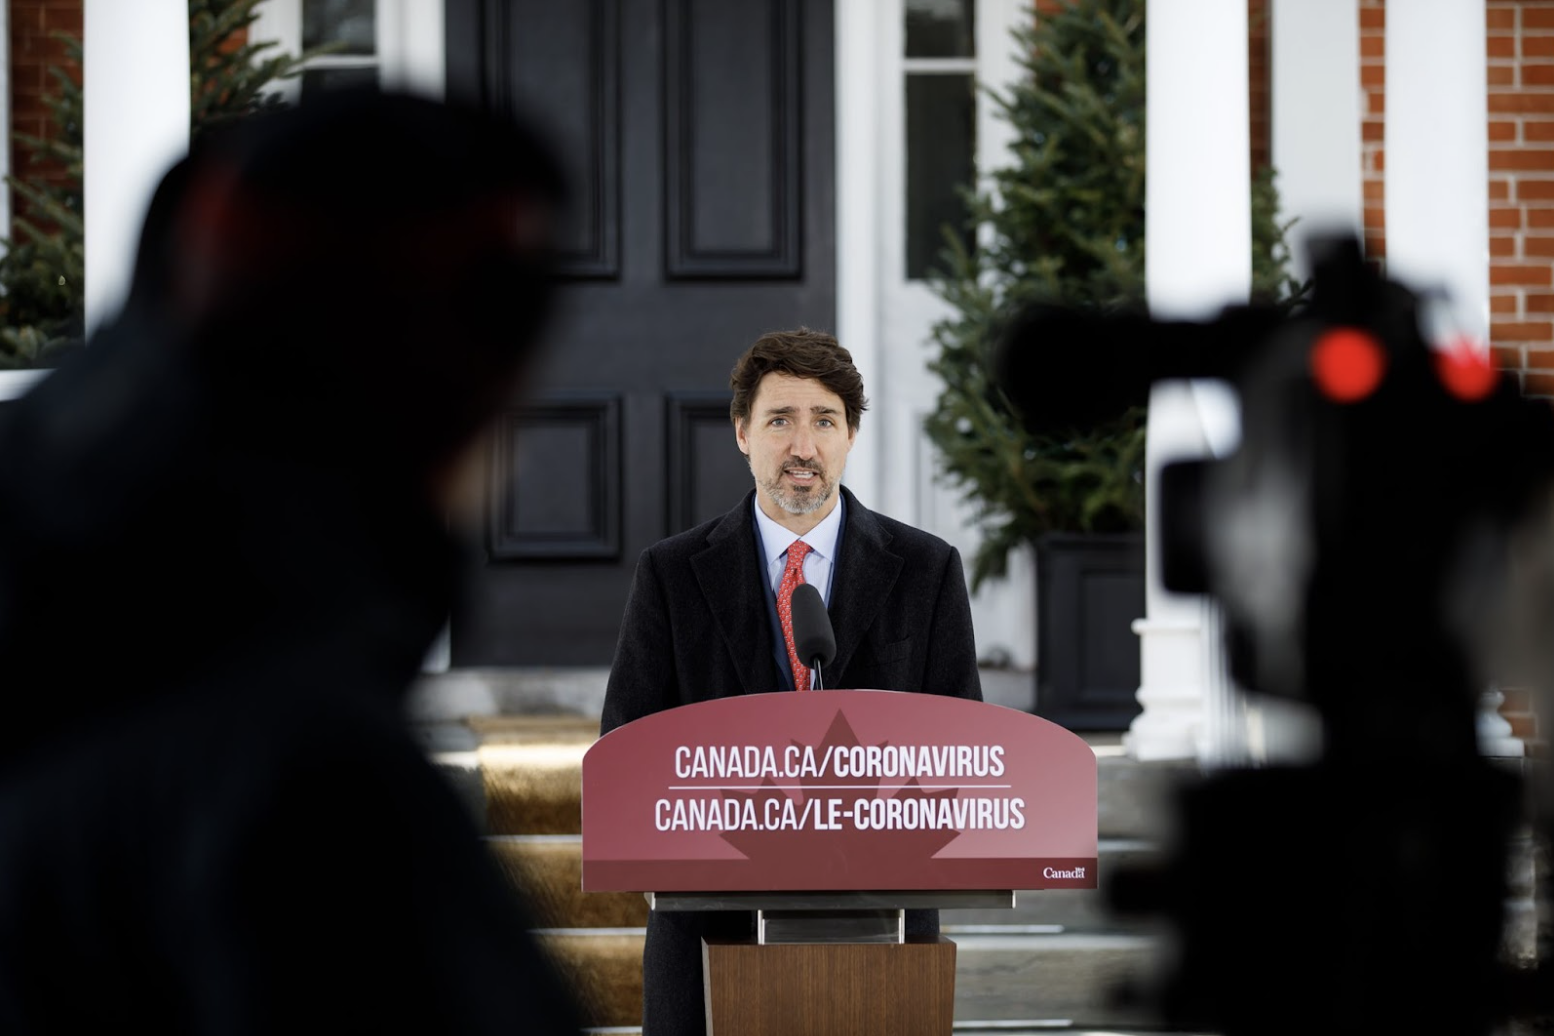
[796, 499]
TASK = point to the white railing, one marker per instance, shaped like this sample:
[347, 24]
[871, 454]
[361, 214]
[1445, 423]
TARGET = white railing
[17, 383]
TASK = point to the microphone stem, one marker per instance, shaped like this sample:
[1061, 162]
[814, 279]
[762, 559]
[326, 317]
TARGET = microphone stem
[819, 684]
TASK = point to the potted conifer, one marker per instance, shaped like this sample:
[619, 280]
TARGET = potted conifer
[1064, 222]
[42, 304]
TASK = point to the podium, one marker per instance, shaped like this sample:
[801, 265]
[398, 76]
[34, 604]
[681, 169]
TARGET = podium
[828, 815]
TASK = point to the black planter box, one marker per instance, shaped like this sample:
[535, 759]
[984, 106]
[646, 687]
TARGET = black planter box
[1090, 589]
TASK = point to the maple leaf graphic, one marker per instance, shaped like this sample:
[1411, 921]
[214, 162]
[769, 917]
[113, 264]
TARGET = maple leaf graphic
[847, 848]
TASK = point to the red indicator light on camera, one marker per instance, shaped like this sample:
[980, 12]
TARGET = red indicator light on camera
[1465, 371]
[1347, 364]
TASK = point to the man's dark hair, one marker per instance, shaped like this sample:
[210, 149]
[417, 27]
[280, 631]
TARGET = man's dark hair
[801, 353]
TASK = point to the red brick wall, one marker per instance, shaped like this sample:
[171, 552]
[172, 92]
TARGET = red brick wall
[1258, 93]
[33, 50]
[1519, 46]
[1373, 110]
[1520, 52]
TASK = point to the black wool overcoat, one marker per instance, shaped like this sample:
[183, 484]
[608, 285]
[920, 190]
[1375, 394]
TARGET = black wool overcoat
[697, 627]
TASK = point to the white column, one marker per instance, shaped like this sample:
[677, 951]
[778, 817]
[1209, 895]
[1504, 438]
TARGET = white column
[15, 384]
[1316, 149]
[412, 48]
[1315, 72]
[1438, 189]
[135, 82]
[858, 227]
[1198, 226]
[1437, 154]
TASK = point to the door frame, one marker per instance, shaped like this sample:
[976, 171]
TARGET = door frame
[883, 318]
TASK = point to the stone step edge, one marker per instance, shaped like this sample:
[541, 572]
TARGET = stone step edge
[1066, 941]
[452, 694]
[1013, 1027]
[1024, 1027]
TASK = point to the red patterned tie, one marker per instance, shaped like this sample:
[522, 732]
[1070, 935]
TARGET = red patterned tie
[792, 576]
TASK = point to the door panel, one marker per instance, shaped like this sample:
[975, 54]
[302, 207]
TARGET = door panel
[734, 196]
[562, 62]
[698, 136]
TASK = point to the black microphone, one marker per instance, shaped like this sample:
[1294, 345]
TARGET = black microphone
[813, 637]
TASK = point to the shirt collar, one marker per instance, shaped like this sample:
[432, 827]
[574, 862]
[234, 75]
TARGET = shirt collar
[776, 539]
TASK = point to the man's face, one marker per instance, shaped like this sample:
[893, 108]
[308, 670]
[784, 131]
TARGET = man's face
[797, 440]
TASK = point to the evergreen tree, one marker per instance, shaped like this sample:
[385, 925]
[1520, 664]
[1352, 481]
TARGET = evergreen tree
[42, 311]
[41, 272]
[1063, 222]
[230, 76]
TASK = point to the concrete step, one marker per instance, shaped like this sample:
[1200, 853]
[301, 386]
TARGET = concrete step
[604, 968]
[1069, 977]
[439, 702]
[1013, 968]
[1002, 982]
[531, 772]
[548, 870]
[1033, 1027]
[1136, 800]
[1046, 1027]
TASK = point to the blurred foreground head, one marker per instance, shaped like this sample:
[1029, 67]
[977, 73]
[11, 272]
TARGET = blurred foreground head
[222, 560]
[329, 304]
[377, 261]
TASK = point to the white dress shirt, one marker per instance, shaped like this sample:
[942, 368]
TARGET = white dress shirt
[819, 563]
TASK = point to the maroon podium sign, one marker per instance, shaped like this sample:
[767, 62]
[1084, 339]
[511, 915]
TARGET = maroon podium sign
[839, 791]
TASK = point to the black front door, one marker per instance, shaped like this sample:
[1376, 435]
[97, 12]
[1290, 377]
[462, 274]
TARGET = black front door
[699, 139]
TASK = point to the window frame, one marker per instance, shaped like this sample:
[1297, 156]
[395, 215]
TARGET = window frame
[994, 61]
[409, 46]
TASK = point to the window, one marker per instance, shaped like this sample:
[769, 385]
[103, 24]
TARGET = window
[394, 44]
[350, 29]
[940, 66]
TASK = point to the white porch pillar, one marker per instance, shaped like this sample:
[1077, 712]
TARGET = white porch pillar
[1315, 72]
[1198, 225]
[413, 31]
[1438, 154]
[135, 83]
[858, 226]
[1438, 190]
[1316, 149]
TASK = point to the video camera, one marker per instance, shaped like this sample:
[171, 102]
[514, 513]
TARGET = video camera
[1379, 546]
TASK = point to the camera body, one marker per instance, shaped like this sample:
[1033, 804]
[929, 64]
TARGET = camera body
[1360, 538]
[1379, 546]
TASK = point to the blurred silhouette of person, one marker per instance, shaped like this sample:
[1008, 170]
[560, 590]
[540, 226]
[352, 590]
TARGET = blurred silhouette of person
[223, 556]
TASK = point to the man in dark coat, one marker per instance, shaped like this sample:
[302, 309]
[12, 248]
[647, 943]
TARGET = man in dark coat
[703, 619]
[223, 556]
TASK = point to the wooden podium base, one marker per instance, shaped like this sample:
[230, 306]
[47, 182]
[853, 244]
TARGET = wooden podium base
[830, 989]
